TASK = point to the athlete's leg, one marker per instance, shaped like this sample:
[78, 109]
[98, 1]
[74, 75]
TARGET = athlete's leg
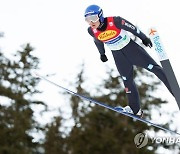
[143, 59]
[158, 71]
[132, 92]
[125, 68]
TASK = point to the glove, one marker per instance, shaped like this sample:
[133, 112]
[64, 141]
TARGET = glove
[104, 58]
[147, 42]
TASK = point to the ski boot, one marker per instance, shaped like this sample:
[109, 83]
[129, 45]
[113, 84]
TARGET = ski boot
[129, 110]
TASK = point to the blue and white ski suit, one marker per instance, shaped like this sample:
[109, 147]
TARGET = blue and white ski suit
[126, 53]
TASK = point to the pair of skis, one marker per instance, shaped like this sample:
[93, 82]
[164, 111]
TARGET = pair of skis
[118, 109]
[164, 60]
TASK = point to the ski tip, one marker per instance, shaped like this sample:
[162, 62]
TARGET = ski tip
[152, 31]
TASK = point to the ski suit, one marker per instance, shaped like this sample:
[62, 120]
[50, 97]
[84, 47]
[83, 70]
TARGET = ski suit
[126, 53]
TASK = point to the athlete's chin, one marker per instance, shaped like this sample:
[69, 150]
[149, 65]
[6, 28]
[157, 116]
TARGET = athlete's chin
[94, 26]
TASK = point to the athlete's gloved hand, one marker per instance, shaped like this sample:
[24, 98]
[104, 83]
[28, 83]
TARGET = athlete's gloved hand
[147, 42]
[104, 58]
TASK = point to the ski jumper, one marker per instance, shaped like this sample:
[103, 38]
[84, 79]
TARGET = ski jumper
[126, 53]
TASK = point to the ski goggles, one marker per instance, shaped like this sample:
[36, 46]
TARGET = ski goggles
[92, 18]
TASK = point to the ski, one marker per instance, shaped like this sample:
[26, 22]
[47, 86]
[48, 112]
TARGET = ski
[165, 62]
[118, 109]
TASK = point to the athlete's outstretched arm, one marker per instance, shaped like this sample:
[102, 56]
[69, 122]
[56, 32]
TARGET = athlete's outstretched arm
[126, 25]
[99, 44]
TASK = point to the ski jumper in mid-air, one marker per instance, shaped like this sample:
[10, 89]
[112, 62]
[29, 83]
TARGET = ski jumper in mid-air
[112, 31]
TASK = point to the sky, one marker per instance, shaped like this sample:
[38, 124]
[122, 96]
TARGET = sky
[58, 32]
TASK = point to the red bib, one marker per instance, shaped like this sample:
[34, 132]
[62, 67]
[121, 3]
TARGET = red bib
[113, 37]
[110, 33]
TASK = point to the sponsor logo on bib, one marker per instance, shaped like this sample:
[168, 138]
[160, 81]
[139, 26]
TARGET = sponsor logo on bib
[107, 35]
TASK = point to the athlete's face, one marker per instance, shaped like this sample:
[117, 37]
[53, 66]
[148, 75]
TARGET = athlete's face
[94, 25]
[93, 21]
